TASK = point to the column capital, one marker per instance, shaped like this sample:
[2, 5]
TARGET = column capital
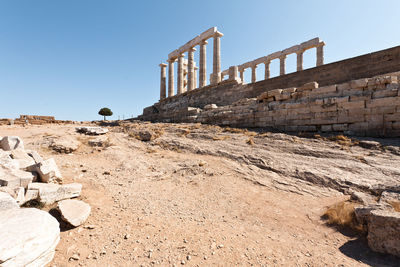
[163, 65]
[204, 42]
[181, 55]
[254, 66]
[171, 60]
[282, 56]
[218, 34]
[192, 49]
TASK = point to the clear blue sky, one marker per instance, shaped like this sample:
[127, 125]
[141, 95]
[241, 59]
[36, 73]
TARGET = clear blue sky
[70, 58]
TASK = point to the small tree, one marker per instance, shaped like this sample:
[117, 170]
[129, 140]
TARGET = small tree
[105, 112]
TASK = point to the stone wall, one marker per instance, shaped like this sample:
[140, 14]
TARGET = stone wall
[368, 106]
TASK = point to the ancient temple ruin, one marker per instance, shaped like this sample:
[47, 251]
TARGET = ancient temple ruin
[187, 70]
[359, 95]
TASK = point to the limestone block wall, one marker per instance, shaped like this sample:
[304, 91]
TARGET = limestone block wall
[366, 107]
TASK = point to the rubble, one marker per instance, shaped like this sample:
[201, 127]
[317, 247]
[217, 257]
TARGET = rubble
[90, 130]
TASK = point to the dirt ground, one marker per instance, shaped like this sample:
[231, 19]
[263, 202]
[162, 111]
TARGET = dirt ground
[204, 196]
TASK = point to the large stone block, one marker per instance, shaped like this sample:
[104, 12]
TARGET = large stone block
[7, 202]
[307, 87]
[74, 211]
[359, 83]
[384, 231]
[47, 170]
[50, 193]
[15, 178]
[28, 237]
[23, 158]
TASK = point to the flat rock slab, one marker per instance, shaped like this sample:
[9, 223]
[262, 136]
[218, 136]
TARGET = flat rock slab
[74, 211]
[50, 193]
[7, 202]
[28, 237]
[14, 178]
[91, 130]
[384, 232]
[47, 170]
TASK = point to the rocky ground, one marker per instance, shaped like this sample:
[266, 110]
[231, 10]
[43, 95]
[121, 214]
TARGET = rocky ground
[204, 195]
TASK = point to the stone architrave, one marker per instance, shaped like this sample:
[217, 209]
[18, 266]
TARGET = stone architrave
[191, 68]
[181, 74]
[253, 73]
[163, 81]
[203, 64]
[282, 60]
[171, 76]
[300, 60]
[217, 58]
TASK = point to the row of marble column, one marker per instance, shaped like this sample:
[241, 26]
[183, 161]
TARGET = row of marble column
[282, 61]
[191, 69]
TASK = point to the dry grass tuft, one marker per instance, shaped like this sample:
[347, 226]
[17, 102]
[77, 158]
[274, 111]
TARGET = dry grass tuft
[223, 137]
[250, 141]
[395, 205]
[342, 215]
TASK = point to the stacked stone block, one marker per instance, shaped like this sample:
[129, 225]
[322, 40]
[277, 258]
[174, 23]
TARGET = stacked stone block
[366, 107]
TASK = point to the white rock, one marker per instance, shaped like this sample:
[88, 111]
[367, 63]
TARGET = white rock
[36, 157]
[15, 178]
[74, 211]
[23, 158]
[28, 237]
[7, 161]
[31, 194]
[50, 193]
[7, 202]
[90, 130]
[11, 142]
[47, 170]
[210, 106]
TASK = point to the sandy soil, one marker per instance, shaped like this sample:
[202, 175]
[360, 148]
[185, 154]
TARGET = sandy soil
[166, 203]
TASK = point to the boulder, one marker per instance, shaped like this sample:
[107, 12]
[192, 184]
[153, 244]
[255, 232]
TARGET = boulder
[28, 237]
[90, 130]
[23, 158]
[7, 202]
[11, 142]
[145, 135]
[363, 213]
[47, 170]
[65, 145]
[73, 211]
[50, 193]
[384, 232]
[363, 198]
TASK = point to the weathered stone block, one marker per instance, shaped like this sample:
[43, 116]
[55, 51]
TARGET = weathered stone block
[384, 232]
[385, 93]
[307, 87]
[359, 83]
[50, 193]
[352, 105]
[387, 101]
[326, 128]
[340, 127]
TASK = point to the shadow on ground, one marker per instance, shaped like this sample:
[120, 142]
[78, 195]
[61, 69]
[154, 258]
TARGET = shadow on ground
[358, 249]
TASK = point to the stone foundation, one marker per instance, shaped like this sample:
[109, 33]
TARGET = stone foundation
[365, 107]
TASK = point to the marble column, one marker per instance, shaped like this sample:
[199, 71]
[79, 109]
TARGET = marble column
[191, 68]
[299, 60]
[171, 77]
[203, 64]
[241, 71]
[163, 81]
[195, 76]
[217, 58]
[320, 55]
[180, 74]
[282, 65]
[253, 73]
[267, 70]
